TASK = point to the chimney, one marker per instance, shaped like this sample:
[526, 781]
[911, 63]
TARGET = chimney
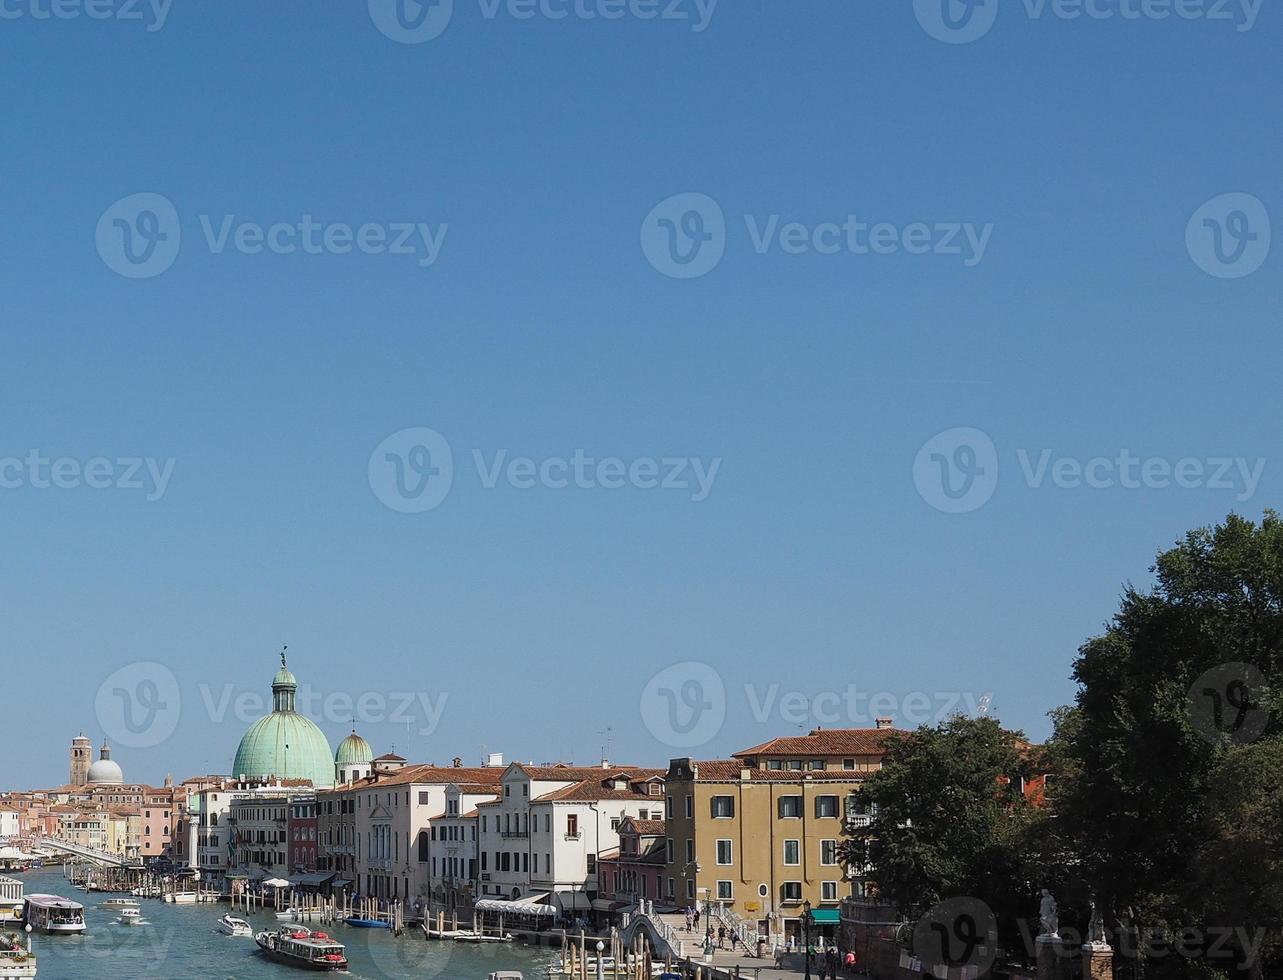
[456, 762]
[885, 723]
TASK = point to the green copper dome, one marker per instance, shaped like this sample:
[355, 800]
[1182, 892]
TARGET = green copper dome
[353, 750]
[284, 744]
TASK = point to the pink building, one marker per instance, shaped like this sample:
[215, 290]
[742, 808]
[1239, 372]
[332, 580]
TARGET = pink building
[634, 870]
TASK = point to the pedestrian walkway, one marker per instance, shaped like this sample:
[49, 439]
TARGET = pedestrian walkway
[793, 965]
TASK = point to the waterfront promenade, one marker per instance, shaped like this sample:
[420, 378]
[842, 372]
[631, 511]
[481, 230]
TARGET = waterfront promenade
[726, 960]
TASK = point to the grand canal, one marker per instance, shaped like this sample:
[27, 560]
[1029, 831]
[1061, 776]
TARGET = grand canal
[181, 942]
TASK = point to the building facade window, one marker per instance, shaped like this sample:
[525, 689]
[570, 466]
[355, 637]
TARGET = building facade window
[792, 852]
[790, 806]
[724, 852]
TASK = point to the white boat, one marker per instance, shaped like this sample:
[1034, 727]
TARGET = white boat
[507, 975]
[181, 898]
[131, 917]
[468, 936]
[230, 925]
[119, 903]
[288, 914]
[17, 962]
[53, 914]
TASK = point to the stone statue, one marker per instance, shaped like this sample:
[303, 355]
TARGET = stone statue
[1047, 913]
[1096, 929]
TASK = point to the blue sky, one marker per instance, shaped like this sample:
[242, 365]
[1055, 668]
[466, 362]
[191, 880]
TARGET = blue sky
[540, 328]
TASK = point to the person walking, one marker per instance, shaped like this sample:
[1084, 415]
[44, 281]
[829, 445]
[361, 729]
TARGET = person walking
[697, 920]
[721, 937]
[689, 912]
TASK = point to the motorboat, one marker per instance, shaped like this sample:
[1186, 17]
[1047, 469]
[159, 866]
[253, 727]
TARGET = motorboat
[507, 975]
[302, 948]
[291, 914]
[119, 903]
[230, 925]
[362, 923]
[131, 917]
[469, 936]
[53, 914]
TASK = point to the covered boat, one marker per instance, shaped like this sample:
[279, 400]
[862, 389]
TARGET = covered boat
[53, 914]
[302, 948]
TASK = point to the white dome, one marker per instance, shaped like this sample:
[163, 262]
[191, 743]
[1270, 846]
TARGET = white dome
[106, 771]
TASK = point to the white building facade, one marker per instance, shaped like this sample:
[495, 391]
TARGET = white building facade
[539, 840]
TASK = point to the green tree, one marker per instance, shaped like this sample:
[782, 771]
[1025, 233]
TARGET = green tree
[1238, 872]
[1146, 746]
[950, 820]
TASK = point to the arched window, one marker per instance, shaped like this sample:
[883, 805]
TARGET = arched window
[424, 846]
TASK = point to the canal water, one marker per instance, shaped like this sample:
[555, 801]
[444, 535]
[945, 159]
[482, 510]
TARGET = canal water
[182, 941]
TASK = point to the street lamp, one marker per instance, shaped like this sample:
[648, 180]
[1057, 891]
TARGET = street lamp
[806, 929]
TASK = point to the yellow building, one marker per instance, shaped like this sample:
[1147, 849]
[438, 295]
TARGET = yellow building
[759, 833]
[124, 832]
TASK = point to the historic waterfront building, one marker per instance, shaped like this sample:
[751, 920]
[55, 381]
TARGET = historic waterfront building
[284, 744]
[760, 832]
[539, 841]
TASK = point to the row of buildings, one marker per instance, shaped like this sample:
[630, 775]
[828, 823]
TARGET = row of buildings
[759, 832]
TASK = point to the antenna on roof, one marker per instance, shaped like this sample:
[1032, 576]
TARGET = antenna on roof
[608, 734]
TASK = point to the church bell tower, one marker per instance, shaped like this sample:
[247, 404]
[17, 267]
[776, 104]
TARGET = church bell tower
[80, 753]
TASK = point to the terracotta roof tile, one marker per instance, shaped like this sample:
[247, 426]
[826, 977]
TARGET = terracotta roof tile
[826, 741]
